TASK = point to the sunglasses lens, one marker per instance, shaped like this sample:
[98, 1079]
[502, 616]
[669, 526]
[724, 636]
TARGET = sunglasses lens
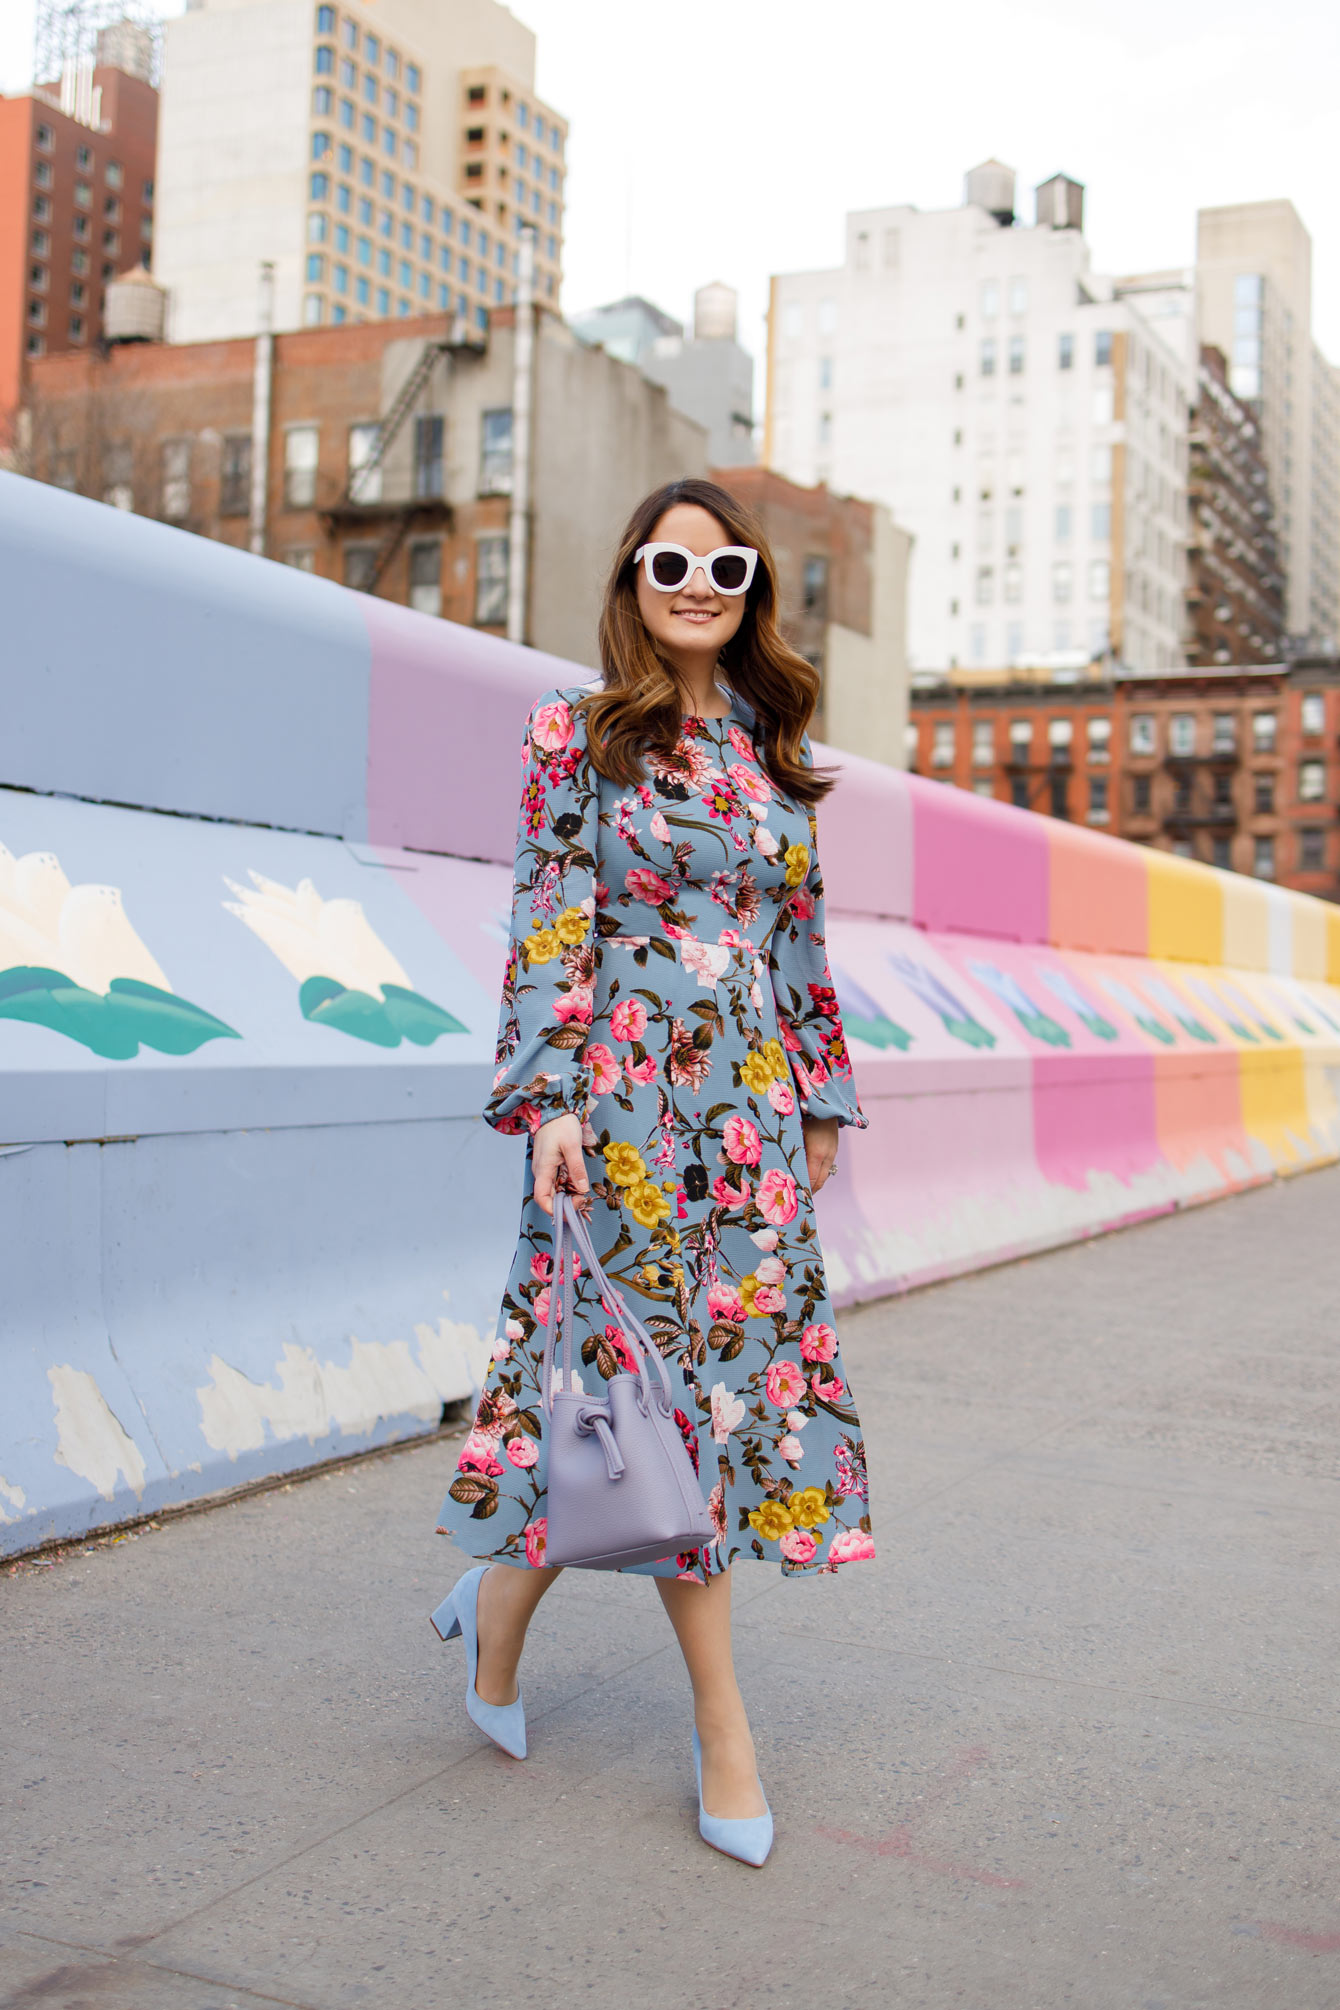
[728, 572]
[668, 568]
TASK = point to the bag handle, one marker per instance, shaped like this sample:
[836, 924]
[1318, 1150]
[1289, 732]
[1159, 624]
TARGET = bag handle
[568, 1224]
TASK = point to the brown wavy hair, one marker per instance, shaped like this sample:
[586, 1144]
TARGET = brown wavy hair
[639, 710]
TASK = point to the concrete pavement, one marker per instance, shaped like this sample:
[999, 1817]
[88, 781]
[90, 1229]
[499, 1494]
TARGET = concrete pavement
[1071, 1741]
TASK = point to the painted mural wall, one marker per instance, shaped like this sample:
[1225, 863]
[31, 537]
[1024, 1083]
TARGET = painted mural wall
[255, 838]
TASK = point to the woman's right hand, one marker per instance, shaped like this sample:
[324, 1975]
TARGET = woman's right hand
[557, 1148]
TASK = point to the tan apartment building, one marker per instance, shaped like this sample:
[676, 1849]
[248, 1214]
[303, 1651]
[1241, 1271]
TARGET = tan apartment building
[382, 156]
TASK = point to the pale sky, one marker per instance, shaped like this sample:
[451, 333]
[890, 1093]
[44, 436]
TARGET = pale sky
[726, 139]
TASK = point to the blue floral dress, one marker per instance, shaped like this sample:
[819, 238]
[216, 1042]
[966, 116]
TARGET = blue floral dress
[668, 984]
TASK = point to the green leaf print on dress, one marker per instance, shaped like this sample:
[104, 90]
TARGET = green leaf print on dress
[667, 984]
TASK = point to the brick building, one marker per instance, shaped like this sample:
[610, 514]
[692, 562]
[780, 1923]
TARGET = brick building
[76, 205]
[1235, 584]
[842, 564]
[1236, 766]
[388, 464]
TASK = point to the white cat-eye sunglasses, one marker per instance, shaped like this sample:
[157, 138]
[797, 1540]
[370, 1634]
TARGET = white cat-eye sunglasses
[729, 570]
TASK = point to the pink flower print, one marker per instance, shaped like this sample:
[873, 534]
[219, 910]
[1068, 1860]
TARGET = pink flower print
[801, 904]
[644, 1072]
[502, 1349]
[542, 1268]
[476, 1456]
[577, 1002]
[818, 1343]
[623, 819]
[514, 1329]
[828, 1392]
[765, 841]
[541, 1307]
[744, 1146]
[602, 894]
[750, 783]
[617, 1340]
[724, 1302]
[690, 1437]
[551, 727]
[798, 1546]
[765, 1238]
[643, 884]
[522, 1451]
[731, 938]
[852, 1545]
[777, 1197]
[796, 1420]
[772, 1270]
[604, 1065]
[659, 828]
[628, 1020]
[767, 1299]
[790, 1449]
[727, 1412]
[716, 1507]
[537, 1536]
[644, 796]
[790, 1037]
[728, 1195]
[709, 961]
[742, 744]
[784, 1383]
[779, 1096]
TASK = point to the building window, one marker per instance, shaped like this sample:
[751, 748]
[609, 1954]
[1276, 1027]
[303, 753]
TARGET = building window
[428, 438]
[1018, 296]
[1141, 794]
[1221, 853]
[985, 586]
[1313, 711]
[1100, 522]
[1102, 347]
[1312, 848]
[1100, 740]
[815, 587]
[235, 475]
[1142, 733]
[1016, 355]
[1013, 581]
[365, 473]
[1263, 857]
[1060, 736]
[1065, 352]
[425, 577]
[325, 20]
[1063, 582]
[1100, 466]
[360, 567]
[1021, 739]
[316, 267]
[1312, 782]
[323, 101]
[1182, 734]
[319, 188]
[301, 448]
[1019, 792]
[1100, 579]
[76, 328]
[176, 479]
[491, 564]
[42, 174]
[1064, 523]
[1098, 811]
[1263, 732]
[1224, 733]
[313, 310]
[1263, 795]
[990, 300]
[987, 364]
[325, 61]
[46, 139]
[1059, 790]
[942, 743]
[983, 743]
[495, 453]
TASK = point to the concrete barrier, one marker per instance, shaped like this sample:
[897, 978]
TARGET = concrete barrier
[257, 835]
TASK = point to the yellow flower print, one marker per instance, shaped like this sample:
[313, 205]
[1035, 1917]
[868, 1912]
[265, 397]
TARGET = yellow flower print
[625, 1164]
[773, 1519]
[748, 1286]
[543, 946]
[572, 926]
[809, 1509]
[797, 863]
[756, 1072]
[647, 1204]
[774, 1053]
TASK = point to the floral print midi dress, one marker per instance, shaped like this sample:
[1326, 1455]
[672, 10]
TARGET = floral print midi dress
[668, 984]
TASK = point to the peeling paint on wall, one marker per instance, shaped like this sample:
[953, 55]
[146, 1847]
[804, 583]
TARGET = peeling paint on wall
[16, 1498]
[89, 1439]
[310, 1398]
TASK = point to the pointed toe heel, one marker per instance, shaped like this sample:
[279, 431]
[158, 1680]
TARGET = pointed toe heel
[505, 1723]
[748, 1840]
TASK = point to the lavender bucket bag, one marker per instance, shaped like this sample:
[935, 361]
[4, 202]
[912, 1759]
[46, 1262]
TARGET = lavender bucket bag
[622, 1488]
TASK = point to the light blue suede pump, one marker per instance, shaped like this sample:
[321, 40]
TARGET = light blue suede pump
[749, 1839]
[505, 1723]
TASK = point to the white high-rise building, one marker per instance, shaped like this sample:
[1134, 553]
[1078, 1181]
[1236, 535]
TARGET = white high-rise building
[1023, 418]
[382, 155]
[1254, 300]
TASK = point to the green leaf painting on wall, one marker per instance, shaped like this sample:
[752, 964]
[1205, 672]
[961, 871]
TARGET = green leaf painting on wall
[348, 980]
[71, 961]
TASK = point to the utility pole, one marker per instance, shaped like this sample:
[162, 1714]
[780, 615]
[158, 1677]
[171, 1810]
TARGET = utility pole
[523, 382]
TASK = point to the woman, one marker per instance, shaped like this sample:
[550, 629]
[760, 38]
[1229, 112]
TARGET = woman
[670, 1040]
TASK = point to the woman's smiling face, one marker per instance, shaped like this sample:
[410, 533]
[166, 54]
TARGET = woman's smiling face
[693, 624]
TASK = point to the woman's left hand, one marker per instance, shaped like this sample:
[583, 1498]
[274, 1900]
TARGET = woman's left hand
[821, 1149]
